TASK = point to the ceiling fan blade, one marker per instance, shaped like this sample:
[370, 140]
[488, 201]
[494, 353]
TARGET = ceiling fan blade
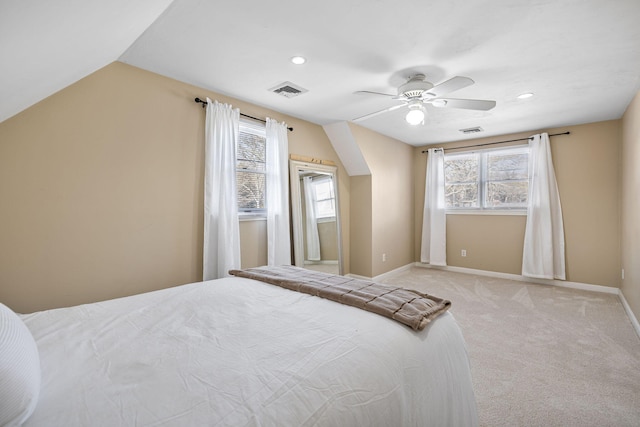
[368, 116]
[368, 92]
[453, 84]
[468, 104]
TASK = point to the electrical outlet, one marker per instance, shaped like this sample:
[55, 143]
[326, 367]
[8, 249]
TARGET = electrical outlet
[623, 274]
[463, 252]
[384, 257]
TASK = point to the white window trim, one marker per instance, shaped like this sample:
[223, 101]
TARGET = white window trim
[248, 216]
[333, 199]
[481, 210]
[327, 219]
[252, 216]
[249, 126]
[503, 212]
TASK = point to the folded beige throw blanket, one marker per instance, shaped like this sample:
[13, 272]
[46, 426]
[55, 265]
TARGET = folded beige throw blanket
[410, 307]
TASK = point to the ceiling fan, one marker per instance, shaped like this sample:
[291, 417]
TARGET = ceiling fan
[417, 92]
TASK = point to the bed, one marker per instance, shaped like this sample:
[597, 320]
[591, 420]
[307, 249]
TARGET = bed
[240, 352]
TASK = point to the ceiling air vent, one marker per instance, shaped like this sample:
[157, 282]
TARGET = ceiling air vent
[472, 130]
[288, 90]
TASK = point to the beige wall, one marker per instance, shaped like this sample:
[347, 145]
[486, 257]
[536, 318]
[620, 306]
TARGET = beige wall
[101, 190]
[361, 225]
[328, 235]
[587, 165]
[631, 205]
[392, 230]
[486, 249]
[253, 242]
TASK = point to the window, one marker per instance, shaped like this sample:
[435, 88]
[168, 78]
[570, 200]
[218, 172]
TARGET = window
[325, 198]
[251, 168]
[487, 180]
[461, 177]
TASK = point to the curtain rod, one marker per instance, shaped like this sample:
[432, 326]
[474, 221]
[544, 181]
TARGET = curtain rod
[204, 104]
[499, 142]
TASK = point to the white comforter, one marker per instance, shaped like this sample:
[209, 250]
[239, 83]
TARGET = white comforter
[239, 352]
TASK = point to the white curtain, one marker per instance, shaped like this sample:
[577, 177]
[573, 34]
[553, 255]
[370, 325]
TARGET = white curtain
[277, 188]
[434, 220]
[221, 250]
[543, 254]
[311, 220]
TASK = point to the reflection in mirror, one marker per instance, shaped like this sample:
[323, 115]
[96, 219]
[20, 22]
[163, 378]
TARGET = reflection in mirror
[316, 219]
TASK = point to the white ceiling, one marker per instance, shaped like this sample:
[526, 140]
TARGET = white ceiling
[47, 45]
[580, 57]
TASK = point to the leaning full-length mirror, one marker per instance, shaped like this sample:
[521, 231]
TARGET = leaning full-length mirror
[316, 218]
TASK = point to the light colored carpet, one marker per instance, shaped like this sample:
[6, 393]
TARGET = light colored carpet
[541, 355]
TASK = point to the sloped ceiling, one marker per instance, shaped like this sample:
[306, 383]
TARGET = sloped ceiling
[581, 58]
[47, 45]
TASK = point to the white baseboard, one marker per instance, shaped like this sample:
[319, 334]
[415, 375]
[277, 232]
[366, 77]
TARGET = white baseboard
[357, 276]
[519, 278]
[559, 283]
[632, 316]
[393, 272]
[323, 262]
[383, 275]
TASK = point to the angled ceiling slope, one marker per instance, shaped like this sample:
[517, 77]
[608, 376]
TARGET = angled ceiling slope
[344, 143]
[46, 46]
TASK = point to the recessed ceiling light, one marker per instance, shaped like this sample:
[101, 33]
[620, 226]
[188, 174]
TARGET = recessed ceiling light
[525, 95]
[298, 60]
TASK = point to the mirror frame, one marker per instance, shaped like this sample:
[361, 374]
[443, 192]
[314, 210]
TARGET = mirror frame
[295, 166]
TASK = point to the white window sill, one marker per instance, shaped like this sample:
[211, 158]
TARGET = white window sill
[327, 219]
[251, 217]
[487, 212]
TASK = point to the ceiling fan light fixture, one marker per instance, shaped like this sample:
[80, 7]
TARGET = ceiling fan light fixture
[417, 92]
[415, 116]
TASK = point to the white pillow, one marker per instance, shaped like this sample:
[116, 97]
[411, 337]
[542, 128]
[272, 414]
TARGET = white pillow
[19, 370]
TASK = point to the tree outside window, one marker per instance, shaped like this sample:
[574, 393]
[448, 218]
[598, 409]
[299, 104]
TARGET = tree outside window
[489, 179]
[251, 169]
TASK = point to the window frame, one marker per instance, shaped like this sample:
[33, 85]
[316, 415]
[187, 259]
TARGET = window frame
[327, 218]
[258, 129]
[482, 183]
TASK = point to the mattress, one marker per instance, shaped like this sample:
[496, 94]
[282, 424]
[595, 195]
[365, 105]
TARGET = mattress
[239, 352]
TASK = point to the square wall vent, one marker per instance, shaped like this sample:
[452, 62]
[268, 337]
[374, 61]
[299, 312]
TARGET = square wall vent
[288, 89]
[472, 130]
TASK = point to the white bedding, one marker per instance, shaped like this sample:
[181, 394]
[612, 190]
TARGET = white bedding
[240, 352]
